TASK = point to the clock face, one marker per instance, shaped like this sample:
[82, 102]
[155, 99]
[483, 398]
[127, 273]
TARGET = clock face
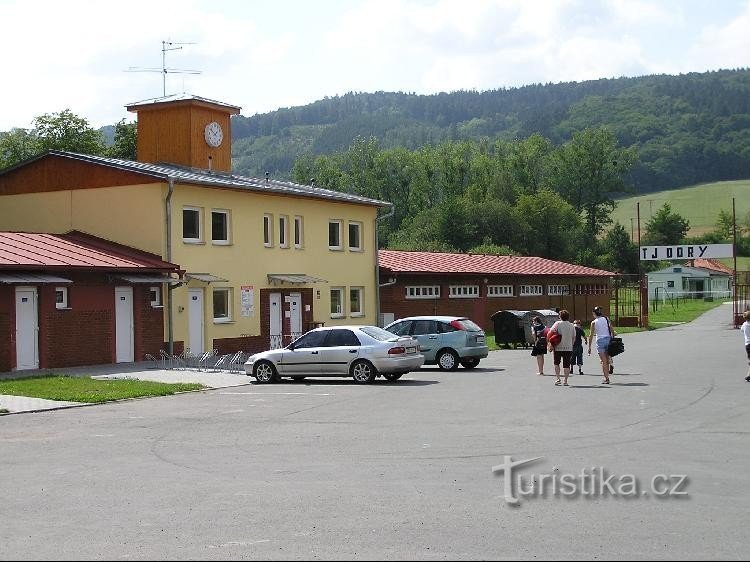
[214, 135]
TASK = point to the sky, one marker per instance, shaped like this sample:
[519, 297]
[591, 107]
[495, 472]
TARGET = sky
[264, 55]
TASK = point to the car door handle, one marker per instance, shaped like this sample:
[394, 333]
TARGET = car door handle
[433, 337]
[313, 352]
[352, 351]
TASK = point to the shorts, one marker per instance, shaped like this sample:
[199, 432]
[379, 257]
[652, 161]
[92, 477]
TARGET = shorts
[747, 349]
[602, 343]
[565, 356]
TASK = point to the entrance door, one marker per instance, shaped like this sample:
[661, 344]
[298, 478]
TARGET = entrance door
[275, 333]
[124, 352]
[195, 321]
[27, 329]
[295, 315]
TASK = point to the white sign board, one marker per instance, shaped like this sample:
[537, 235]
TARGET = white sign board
[247, 300]
[686, 252]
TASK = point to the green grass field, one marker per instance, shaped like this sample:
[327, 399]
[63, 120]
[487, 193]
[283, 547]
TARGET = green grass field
[699, 204]
[88, 390]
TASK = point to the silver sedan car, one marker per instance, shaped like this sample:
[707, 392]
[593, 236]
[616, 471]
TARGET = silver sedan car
[360, 352]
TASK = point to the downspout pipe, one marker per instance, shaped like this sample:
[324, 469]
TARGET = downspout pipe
[377, 262]
[168, 255]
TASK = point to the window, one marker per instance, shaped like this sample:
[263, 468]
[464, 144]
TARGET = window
[499, 290]
[355, 301]
[337, 302]
[191, 225]
[670, 284]
[311, 339]
[222, 305]
[219, 227]
[401, 328]
[268, 231]
[422, 327]
[283, 231]
[557, 290]
[334, 235]
[463, 291]
[155, 293]
[591, 289]
[61, 297]
[428, 292]
[298, 232]
[339, 338]
[530, 290]
[355, 236]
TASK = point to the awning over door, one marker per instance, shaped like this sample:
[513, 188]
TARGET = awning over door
[205, 277]
[147, 279]
[293, 278]
[30, 278]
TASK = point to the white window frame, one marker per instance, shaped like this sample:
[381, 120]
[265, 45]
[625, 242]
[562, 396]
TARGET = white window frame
[222, 319]
[360, 228]
[361, 312]
[463, 291]
[558, 290]
[268, 230]
[155, 293]
[341, 311]
[283, 231]
[227, 218]
[198, 240]
[299, 232]
[499, 291]
[530, 290]
[340, 226]
[422, 292]
[63, 305]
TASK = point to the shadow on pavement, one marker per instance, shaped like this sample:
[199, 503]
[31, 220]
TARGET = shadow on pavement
[344, 382]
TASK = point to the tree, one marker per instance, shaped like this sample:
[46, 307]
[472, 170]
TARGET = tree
[66, 131]
[126, 141]
[620, 253]
[16, 146]
[724, 225]
[588, 171]
[552, 227]
[666, 227]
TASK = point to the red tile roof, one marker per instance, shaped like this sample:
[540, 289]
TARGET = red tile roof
[24, 250]
[713, 265]
[430, 262]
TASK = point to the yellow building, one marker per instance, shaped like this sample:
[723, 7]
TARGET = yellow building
[265, 260]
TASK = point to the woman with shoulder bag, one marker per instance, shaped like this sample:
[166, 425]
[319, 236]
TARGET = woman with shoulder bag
[602, 330]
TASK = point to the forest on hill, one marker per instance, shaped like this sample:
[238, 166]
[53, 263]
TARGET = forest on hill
[686, 129]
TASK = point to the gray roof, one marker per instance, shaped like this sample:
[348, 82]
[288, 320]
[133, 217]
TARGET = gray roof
[198, 176]
[180, 97]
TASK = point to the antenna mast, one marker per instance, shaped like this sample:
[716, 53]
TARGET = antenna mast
[165, 47]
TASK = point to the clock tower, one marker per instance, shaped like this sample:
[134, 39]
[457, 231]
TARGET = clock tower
[185, 130]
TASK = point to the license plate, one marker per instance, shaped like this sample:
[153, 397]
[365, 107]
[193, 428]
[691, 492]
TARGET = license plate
[411, 350]
[480, 339]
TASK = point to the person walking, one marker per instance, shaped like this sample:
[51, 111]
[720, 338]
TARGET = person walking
[602, 330]
[563, 350]
[577, 358]
[745, 328]
[539, 350]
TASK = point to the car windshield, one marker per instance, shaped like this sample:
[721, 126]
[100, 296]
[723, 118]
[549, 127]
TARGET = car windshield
[378, 333]
[468, 325]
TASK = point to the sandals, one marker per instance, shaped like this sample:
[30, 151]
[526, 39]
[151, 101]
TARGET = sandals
[605, 381]
[565, 384]
[558, 382]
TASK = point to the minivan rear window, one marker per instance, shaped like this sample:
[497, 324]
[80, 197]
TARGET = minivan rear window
[468, 325]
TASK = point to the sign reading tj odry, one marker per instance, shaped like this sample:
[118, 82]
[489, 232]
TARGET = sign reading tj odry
[686, 252]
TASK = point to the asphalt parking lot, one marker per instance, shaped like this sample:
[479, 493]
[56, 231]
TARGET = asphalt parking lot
[327, 469]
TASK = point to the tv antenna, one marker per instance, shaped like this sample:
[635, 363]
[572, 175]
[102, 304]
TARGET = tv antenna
[166, 46]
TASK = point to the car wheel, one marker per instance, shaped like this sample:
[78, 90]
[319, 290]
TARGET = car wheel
[363, 372]
[447, 360]
[264, 372]
[393, 377]
[298, 378]
[470, 363]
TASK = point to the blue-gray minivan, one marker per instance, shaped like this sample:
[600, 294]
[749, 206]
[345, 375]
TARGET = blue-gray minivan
[445, 341]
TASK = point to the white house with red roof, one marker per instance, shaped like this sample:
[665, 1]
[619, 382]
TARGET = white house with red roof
[74, 299]
[698, 278]
[478, 285]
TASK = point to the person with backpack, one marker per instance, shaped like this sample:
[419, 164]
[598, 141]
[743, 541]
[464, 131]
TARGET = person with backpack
[577, 358]
[602, 330]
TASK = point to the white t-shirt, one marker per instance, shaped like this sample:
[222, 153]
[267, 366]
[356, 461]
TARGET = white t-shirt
[745, 329]
[601, 327]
